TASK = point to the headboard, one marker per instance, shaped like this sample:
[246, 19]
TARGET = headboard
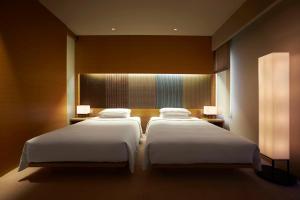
[146, 93]
[145, 90]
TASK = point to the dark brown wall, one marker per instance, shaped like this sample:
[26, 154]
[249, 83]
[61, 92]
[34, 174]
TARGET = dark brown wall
[276, 31]
[32, 76]
[144, 54]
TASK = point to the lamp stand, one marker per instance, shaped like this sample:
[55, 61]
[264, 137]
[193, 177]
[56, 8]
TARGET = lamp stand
[278, 176]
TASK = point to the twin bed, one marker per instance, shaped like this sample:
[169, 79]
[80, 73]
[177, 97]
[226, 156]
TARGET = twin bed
[195, 142]
[171, 140]
[93, 142]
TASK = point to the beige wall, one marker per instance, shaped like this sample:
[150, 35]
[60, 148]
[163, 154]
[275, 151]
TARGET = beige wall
[277, 31]
[32, 76]
[244, 16]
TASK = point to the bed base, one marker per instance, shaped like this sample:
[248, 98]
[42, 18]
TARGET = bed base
[80, 164]
[204, 165]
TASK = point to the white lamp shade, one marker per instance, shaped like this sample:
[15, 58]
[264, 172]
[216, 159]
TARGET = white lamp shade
[273, 70]
[210, 110]
[83, 109]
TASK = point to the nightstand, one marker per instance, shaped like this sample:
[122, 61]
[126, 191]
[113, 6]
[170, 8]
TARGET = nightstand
[216, 121]
[75, 120]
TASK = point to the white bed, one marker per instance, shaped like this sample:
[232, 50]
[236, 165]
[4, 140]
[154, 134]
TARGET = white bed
[99, 140]
[195, 141]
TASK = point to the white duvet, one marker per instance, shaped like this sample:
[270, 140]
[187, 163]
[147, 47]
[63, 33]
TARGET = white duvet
[195, 141]
[92, 140]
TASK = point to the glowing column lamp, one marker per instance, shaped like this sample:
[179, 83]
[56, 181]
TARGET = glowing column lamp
[210, 111]
[274, 126]
[83, 110]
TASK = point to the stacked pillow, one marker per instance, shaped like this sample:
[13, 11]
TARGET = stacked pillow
[115, 113]
[177, 113]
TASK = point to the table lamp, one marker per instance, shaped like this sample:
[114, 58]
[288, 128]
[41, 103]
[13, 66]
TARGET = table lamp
[210, 111]
[83, 110]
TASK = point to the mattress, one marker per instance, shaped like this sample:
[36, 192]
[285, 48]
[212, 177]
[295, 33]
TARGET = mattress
[92, 140]
[195, 141]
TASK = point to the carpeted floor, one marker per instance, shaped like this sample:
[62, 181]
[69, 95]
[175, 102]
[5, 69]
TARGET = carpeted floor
[74, 184]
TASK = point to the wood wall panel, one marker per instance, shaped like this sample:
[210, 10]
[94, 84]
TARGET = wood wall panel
[144, 54]
[32, 76]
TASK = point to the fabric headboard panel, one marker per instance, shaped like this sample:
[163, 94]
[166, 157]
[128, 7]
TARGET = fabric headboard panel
[145, 90]
[116, 91]
[142, 91]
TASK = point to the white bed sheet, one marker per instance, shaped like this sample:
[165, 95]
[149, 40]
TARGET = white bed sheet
[92, 140]
[195, 141]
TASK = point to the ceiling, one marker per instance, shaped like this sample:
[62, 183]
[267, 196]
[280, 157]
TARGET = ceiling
[143, 17]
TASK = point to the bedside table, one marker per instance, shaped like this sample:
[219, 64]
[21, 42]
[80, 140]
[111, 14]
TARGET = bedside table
[75, 120]
[216, 121]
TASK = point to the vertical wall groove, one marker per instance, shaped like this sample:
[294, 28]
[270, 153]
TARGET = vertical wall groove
[145, 90]
[142, 90]
[116, 90]
[169, 90]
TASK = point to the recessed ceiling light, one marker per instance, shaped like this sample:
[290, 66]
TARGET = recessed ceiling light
[113, 29]
[175, 29]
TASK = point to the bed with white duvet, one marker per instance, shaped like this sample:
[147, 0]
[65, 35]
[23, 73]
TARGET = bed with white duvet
[194, 141]
[99, 140]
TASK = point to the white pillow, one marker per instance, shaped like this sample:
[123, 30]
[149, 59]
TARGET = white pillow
[176, 111]
[115, 113]
[175, 116]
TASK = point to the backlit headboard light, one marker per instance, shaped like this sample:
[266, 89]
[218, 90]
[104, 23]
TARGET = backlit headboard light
[149, 91]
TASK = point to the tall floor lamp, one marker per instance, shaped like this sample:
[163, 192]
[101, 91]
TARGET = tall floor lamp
[274, 114]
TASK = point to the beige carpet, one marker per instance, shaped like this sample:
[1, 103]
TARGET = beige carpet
[74, 184]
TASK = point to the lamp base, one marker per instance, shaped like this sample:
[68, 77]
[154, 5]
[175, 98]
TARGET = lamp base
[277, 176]
[210, 116]
[83, 115]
